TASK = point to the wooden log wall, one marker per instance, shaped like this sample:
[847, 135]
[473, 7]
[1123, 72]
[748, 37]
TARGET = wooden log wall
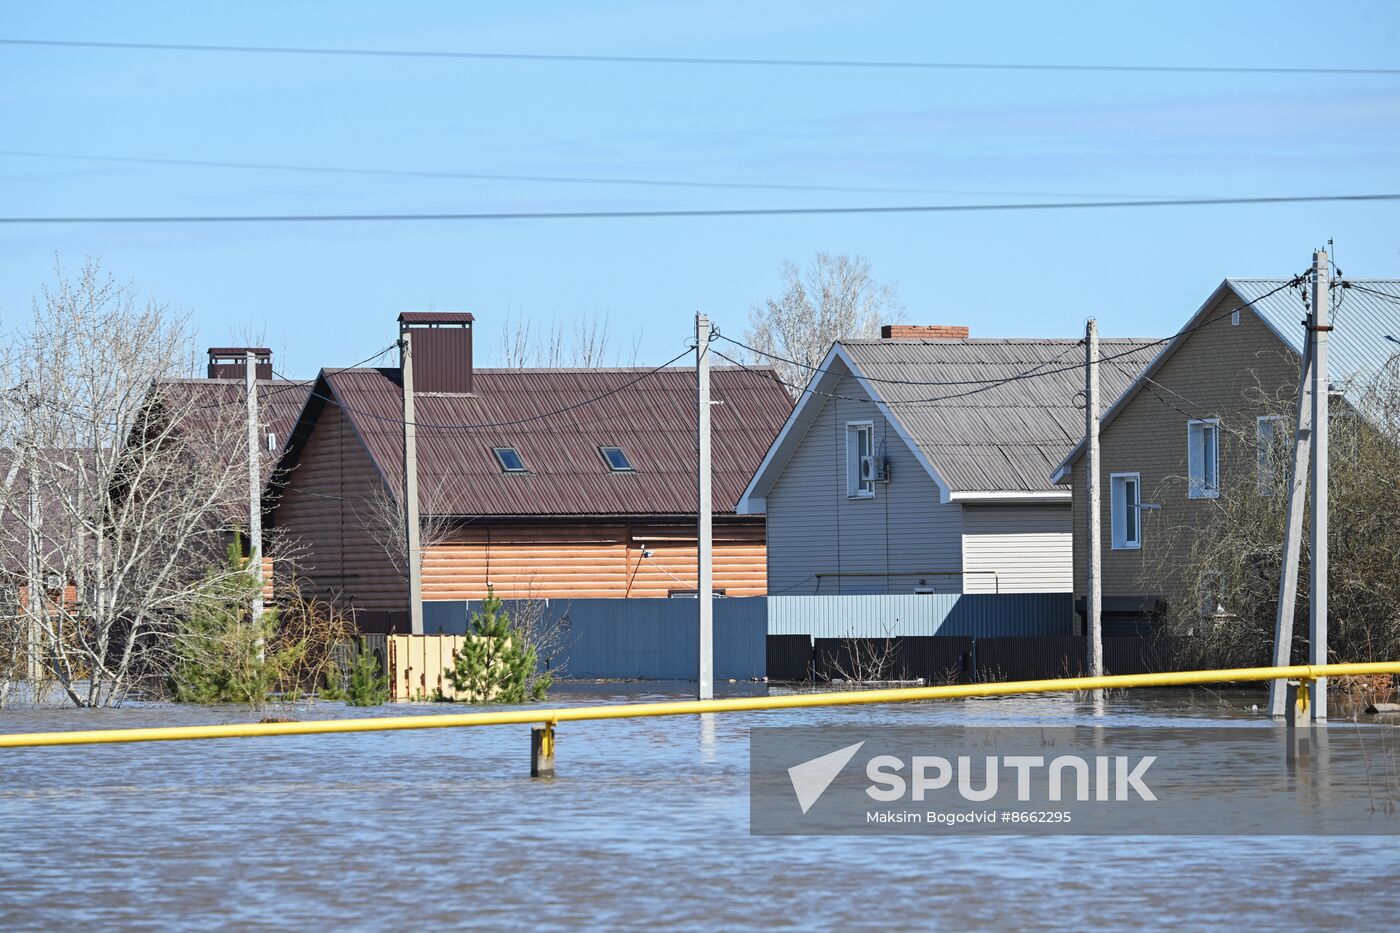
[591, 560]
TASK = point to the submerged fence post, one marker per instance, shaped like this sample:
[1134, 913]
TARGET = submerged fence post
[542, 750]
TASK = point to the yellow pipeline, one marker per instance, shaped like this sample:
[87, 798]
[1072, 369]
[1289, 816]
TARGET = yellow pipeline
[536, 714]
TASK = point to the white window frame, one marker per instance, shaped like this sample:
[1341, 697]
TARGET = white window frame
[1196, 482]
[1118, 511]
[1267, 478]
[857, 488]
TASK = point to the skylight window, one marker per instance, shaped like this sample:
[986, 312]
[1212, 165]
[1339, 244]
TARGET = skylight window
[510, 459]
[616, 459]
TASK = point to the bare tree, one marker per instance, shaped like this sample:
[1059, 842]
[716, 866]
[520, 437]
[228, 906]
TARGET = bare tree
[834, 298]
[114, 526]
[586, 342]
[381, 515]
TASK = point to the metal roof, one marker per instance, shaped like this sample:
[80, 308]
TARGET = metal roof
[995, 436]
[436, 317]
[653, 421]
[280, 400]
[1357, 346]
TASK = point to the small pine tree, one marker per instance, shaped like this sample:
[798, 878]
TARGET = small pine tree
[368, 685]
[496, 663]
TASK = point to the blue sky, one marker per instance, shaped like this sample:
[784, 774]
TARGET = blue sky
[328, 294]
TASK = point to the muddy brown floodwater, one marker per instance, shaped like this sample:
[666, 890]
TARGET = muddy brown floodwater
[646, 826]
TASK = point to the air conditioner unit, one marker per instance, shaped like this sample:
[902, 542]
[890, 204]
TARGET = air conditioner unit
[874, 469]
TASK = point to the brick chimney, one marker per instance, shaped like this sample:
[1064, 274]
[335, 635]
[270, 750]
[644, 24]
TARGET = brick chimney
[442, 350]
[232, 362]
[923, 332]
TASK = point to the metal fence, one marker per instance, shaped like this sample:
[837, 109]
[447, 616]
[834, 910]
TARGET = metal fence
[976, 615]
[625, 639]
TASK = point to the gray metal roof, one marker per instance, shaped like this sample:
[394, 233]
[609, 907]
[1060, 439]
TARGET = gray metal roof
[1357, 346]
[998, 436]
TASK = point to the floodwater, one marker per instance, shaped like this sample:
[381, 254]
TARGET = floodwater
[646, 826]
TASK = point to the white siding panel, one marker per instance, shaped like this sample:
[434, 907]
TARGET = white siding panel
[1018, 549]
[822, 542]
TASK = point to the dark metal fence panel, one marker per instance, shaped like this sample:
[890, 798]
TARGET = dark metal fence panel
[1030, 658]
[971, 614]
[624, 639]
[930, 658]
[789, 657]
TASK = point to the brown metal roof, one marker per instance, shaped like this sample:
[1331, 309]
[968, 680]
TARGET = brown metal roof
[280, 400]
[653, 421]
[1010, 436]
[436, 317]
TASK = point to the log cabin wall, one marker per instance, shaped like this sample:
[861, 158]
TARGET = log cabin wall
[324, 511]
[591, 559]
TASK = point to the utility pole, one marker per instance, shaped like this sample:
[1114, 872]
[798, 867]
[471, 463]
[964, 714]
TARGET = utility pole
[412, 547]
[255, 542]
[1093, 603]
[34, 584]
[1293, 528]
[704, 582]
[1317, 584]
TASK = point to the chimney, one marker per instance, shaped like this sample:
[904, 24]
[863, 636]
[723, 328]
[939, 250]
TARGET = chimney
[231, 362]
[923, 332]
[442, 350]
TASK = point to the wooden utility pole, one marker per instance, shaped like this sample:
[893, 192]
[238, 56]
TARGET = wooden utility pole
[1317, 584]
[1293, 527]
[704, 577]
[255, 542]
[412, 546]
[1093, 603]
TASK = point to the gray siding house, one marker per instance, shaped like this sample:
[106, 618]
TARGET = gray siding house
[921, 464]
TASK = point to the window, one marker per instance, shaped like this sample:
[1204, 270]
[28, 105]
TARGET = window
[860, 459]
[616, 459]
[1203, 458]
[509, 459]
[1125, 510]
[1235, 318]
[1270, 443]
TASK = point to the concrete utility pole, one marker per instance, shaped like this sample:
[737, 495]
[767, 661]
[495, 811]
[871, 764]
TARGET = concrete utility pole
[412, 547]
[1093, 603]
[255, 542]
[1293, 529]
[1317, 585]
[34, 583]
[704, 540]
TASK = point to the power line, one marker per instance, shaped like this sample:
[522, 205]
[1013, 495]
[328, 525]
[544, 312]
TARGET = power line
[885, 65]
[548, 179]
[292, 384]
[702, 212]
[1027, 374]
[1034, 372]
[500, 424]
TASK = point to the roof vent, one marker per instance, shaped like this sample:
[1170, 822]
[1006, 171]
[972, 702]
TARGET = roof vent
[232, 362]
[442, 350]
[923, 332]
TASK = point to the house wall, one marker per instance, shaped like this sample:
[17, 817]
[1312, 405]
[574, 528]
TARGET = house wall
[590, 559]
[888, 544]
[323, 510]
[1017, 549]
[1220, 370]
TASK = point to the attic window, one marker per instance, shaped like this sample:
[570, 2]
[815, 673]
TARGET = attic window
[616, 459]
[509, 459]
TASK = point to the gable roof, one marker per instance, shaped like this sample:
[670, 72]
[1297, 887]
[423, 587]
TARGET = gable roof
[1356, 348]
[987, 418]
[280, 401]
[650, 414]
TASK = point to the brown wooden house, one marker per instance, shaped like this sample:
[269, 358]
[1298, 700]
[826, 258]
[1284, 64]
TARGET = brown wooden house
[534, 483]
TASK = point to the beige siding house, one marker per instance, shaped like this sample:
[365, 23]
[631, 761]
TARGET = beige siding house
[1194, 426]
[920, 463]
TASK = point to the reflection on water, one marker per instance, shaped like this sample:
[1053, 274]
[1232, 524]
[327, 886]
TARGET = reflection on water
[645, 826]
